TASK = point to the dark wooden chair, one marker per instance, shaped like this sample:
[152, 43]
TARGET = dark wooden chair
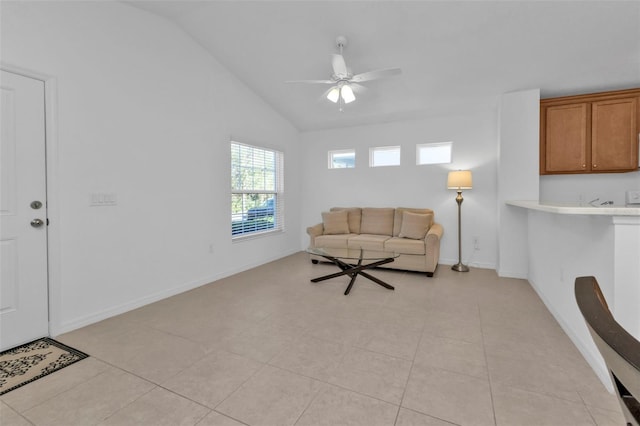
[620, 350]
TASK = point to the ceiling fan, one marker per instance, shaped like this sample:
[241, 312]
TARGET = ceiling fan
[344, 81]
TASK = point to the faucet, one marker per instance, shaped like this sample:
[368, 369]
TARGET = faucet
[604, 203]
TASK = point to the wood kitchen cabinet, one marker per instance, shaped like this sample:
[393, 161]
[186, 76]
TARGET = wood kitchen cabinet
[595, 133]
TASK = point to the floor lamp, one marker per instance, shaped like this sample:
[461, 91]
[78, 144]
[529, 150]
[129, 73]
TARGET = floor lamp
[459, 180]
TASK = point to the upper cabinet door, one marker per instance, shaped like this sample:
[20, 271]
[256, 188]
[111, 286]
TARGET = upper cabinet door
[613, 135]
[593, 133]
[565, 138]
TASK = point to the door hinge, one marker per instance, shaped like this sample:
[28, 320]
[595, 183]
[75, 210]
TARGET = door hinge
[47, 221]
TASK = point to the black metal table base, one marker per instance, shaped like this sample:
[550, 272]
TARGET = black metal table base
[353, 271]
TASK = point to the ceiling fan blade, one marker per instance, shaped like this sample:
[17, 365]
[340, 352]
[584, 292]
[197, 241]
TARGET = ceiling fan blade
[339, 66]
[373, 75]
[312, 81]
[358, 88]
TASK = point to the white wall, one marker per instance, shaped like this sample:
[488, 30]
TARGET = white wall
[146, 113]
[473, 133]
[580, 189]
[563, 247]
[518, 177]
[626, 272]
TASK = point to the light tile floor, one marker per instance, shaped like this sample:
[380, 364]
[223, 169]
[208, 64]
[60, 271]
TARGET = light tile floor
[267, 347]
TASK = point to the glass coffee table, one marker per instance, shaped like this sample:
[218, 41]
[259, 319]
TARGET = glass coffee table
[354, 262]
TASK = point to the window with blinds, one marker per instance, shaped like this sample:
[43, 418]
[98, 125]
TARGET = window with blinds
[257, 190]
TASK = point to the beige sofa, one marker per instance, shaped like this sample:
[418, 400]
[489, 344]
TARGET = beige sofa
[410, 232]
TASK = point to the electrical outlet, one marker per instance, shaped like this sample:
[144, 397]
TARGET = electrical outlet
[633, 197]
[476, 243]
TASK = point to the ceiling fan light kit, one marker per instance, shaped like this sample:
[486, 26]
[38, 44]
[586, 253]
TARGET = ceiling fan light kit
[347, 94]
[341, 79]
[333, 95]
[342, 93]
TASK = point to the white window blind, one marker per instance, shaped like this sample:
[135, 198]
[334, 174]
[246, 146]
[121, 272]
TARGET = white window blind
[257, 190]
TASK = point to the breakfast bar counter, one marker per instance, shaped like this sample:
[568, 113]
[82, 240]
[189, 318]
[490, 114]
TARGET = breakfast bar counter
[575, 209]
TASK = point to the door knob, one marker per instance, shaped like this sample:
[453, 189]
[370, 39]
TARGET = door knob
[37, 223]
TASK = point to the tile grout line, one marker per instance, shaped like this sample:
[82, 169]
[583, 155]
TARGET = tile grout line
[486, 361]
[413, 360]
[400, 405]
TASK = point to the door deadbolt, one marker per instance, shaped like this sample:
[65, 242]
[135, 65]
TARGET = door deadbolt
[36, 205]
[37, 223]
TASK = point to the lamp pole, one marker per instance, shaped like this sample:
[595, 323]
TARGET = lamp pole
[459, 180]
[459, 266]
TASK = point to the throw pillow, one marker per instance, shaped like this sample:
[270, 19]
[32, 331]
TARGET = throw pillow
[335, 222]
[414, 225]
[354, 217]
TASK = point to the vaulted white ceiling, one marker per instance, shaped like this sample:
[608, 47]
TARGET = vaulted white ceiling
[451, 53]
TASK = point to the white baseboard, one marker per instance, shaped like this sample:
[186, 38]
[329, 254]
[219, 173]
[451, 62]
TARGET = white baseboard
[145, 300]
[129, 306]
[588, 349]
[512, 274]
[481, 265]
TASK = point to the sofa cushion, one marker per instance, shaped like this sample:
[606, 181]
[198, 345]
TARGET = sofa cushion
[331, 241]
[368, 242]
[377, 221]
[335, 222]
[397, 220]
[405, 246]
[354, 216]
[414, 225]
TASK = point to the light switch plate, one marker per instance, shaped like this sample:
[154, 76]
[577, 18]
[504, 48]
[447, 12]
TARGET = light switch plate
[633, 198]
[99, 199]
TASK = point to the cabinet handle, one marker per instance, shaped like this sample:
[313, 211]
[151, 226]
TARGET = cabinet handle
[584, 166]
[595, 165]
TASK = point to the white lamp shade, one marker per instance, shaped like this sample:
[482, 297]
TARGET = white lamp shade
[333, 94]
[347, 94]
[460, 179]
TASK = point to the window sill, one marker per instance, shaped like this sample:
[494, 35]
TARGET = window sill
[255, 235]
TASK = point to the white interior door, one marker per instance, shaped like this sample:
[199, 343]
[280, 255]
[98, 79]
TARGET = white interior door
[24, 314]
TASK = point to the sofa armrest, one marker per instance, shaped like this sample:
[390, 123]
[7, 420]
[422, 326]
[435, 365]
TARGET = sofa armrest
[432, 246]
[434, 234]
[315, 230]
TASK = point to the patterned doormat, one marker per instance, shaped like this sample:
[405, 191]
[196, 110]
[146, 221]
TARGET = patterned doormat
[31, 361]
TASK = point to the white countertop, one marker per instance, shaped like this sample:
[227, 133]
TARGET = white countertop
[576, 209]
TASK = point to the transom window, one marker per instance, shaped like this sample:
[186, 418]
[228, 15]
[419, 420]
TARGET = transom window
[384, 156]
[342, 159]
[257, 190]
[433, 153]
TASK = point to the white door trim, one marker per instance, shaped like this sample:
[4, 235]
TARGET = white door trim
[53, 210]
